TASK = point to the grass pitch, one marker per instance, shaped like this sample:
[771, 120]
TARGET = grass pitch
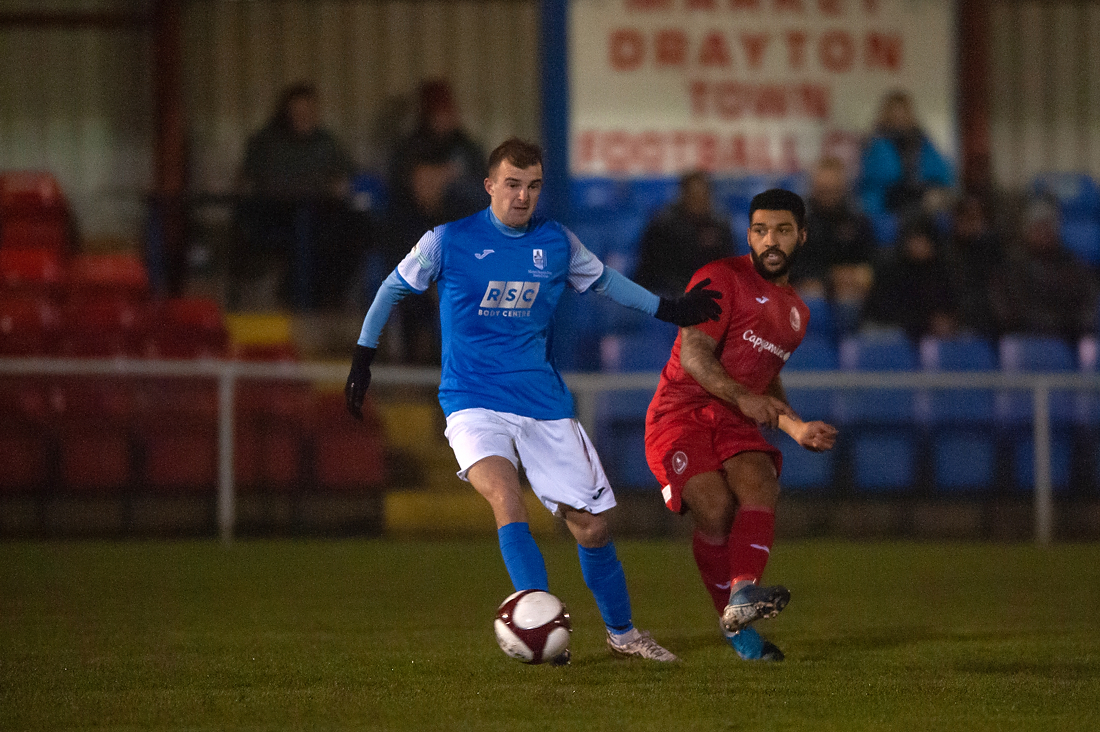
[396, 635]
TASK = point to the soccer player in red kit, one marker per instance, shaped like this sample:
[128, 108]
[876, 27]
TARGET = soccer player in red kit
[703, 429]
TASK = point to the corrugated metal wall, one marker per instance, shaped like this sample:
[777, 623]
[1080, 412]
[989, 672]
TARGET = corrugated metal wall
[1045, 88]
[366, 59]
[79, 101]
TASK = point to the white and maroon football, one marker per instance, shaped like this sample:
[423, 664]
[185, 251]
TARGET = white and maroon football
[533, 626]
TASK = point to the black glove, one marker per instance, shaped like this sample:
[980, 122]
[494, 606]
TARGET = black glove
[358, 380]
[692, 308]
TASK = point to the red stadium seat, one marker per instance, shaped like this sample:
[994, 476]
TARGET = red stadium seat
[104, 327]
[29, 191]
[35, 270]
[96, 447]
[349, 455]
[29, 325]
[120, 275]
[276, 419]
[25, 436]
[187, 327]
[33, 212]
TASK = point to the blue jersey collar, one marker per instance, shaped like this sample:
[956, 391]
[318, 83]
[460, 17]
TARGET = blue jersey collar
[505, 229]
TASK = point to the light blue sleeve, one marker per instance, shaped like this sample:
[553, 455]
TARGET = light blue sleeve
[391, 292]
[626, 292]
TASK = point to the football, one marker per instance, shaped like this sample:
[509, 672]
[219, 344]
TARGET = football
[533, 626]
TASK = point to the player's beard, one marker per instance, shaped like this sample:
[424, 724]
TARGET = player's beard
[770, 275]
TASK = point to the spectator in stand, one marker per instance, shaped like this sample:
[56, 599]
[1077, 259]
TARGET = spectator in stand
[836, 262]
[902, 171]
[682, 237]
[973, 252]
[439, 139]
[912, 288]
[417, 318]
[294, 210]
[1043, 288]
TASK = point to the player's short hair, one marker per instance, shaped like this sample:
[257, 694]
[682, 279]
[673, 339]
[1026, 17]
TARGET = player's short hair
[520, 153]
[780, 199]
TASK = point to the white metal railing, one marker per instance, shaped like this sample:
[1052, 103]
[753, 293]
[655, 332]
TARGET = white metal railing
[586, 388]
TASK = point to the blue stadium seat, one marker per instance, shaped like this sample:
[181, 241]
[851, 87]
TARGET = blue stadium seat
[1076, 193]
[1081, 235]
[621, 422]
[881, 351]
[649, 195]
[369, 192]
[821, 316]
[599, 195]
[886, 227]
[803, 470]
[1014, 409]
[884, 444]
[1036, 354]
[961, 421]
[816, 353]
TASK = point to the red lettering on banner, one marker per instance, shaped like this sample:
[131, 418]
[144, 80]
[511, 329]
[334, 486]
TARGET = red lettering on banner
[650, 152]
[681, 142]
[796, 49]
[755, 44]
[814, 100]
[870, 7]
[789, 157]
[671, 47]
[830, 7]
[585, 148]
[701, 4]
[730, 100]
[884, 51]
[697, 92]
[713, 50]
[744, 4]
[615, 151]
[627, 49]
[837, 51]
[706, 151]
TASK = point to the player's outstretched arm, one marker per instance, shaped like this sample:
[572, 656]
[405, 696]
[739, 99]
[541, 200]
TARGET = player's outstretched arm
[697, 356]
[695, 306]
[815, 436]
[355, 390]
[391, 292]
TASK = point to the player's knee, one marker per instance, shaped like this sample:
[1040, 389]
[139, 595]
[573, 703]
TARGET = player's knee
[712, 511]
[590, 530]
[762, 491]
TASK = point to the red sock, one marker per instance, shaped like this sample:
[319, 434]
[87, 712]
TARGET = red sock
[750, 543]
[713, 561]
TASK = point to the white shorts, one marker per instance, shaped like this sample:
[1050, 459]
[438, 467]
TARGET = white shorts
[559, 459]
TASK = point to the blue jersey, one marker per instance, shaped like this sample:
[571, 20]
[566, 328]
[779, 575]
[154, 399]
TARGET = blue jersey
[498, 290]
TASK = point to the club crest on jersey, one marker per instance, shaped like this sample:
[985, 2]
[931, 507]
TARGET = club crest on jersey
[540, 258]
[796, 319]
[511, 299]
[679, 462]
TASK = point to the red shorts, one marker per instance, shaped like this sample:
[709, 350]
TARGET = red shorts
[683, 444]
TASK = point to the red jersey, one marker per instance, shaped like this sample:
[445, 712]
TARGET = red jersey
[761, 325]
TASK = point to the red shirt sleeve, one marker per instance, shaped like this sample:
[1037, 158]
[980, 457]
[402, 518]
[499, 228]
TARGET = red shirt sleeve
[722, 280]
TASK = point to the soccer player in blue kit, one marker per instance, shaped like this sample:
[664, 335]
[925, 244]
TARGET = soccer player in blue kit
[500, 273]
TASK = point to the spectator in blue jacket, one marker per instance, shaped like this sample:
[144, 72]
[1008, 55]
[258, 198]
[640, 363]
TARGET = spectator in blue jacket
[901, 170]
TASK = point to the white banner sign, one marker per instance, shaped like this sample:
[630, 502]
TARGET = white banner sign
[658, 87]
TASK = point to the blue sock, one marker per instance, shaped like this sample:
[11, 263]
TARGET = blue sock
[522, 557]
[603, 573]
